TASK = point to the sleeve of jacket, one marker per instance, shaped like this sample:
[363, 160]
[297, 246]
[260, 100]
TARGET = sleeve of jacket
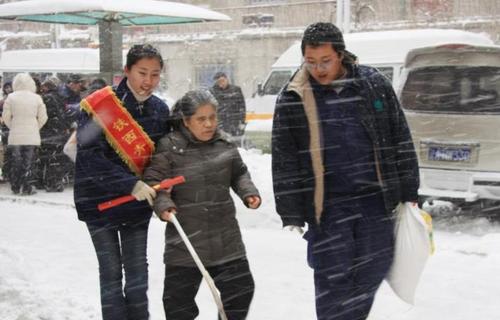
[407, 162]
[42, 113]
[242, 109]
[158, 169]
[286, 171]
[241, 182]
[7, 113]
[90, 156]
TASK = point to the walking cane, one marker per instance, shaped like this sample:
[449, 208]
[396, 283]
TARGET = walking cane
[204, 272]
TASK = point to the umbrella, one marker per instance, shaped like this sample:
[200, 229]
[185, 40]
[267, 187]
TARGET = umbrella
[110, 16]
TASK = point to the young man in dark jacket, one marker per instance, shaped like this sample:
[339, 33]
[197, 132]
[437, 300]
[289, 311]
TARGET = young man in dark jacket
[342, 159]
[232, 109]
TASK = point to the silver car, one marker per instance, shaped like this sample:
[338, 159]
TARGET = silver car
[451, 98]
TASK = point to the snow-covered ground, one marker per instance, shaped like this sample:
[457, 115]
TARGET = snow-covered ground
[48, 268]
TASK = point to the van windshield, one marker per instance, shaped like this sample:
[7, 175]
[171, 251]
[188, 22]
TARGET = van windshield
[453, 89]
[276, 81]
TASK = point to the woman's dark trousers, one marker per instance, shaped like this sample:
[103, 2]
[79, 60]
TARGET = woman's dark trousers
[21, 171]
[233, 279]
[122, 246]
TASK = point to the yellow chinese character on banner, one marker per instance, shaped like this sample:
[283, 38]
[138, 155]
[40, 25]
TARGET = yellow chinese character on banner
[120, 124]
[139, 149]
[130, 137]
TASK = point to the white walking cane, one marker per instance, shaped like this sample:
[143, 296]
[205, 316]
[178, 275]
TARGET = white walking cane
[204, 272]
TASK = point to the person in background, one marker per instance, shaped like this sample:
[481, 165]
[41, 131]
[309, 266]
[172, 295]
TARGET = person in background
[54, 134]
[211, 165]
[342, 159]
[96, 84]
[69, 148]
[4, 135]
[72, 92]
[116, 135]
[231, 112]
[38, 84]
[24, 113]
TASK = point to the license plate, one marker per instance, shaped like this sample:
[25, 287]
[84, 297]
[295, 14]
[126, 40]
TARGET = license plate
[449, 154]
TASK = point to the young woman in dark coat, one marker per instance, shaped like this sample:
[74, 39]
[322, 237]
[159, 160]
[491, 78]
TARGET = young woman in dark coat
[119, 235]
[211, 165]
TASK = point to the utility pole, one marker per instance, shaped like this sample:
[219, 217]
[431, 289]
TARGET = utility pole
[344, 15]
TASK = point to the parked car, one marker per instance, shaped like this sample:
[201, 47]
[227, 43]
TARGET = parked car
[451, 98]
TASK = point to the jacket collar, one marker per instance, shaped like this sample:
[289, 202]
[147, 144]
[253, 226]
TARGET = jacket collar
[182, 137]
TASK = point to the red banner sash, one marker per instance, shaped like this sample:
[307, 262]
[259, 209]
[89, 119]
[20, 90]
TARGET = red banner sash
[123, 133]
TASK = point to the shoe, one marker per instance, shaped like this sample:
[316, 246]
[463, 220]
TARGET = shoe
[29, 192]
[15, 191]
[55, 189]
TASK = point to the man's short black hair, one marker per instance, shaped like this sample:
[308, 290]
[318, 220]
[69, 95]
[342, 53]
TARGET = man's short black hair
[320, 33]
[75, 78]
[219, 74]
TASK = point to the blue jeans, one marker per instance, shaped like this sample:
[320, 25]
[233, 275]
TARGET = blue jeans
[122, 246]
[351, 252]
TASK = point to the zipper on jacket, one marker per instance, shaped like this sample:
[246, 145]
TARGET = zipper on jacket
[140, 106]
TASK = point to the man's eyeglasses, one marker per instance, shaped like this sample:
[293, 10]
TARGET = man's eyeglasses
[323, 65]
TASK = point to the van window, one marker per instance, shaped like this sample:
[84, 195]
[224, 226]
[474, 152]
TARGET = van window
[453, 89]
[276, 81]
[388, 72]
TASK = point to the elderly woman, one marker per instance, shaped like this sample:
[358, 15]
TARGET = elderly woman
[24, 113]
[212, 166]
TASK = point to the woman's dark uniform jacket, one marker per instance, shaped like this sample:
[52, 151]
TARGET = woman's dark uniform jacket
[101, 175]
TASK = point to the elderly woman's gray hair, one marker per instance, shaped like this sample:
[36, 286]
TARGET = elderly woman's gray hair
[186, 106]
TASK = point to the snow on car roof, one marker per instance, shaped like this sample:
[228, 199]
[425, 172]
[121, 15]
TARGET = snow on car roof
[379, 47]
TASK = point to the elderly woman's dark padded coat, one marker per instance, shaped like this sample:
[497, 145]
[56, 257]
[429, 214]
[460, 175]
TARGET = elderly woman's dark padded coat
[205, 208]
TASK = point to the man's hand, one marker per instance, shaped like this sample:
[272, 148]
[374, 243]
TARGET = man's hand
[168, 214]
[143, 192]
[292, 228]
[253, 202]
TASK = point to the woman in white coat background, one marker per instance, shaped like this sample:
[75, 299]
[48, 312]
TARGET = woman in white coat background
[24, 113]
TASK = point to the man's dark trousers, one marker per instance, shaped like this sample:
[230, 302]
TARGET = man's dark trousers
[351, 252]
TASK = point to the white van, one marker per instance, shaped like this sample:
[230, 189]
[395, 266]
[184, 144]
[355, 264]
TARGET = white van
[451, 98]
[385, 50]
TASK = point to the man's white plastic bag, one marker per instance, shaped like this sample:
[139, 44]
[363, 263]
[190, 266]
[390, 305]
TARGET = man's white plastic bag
[412, 248]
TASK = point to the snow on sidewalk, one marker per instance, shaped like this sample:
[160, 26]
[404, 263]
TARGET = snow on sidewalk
[48, 270]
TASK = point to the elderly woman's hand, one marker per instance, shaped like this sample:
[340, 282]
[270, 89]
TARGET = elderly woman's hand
[253, 202]
[167, 214]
